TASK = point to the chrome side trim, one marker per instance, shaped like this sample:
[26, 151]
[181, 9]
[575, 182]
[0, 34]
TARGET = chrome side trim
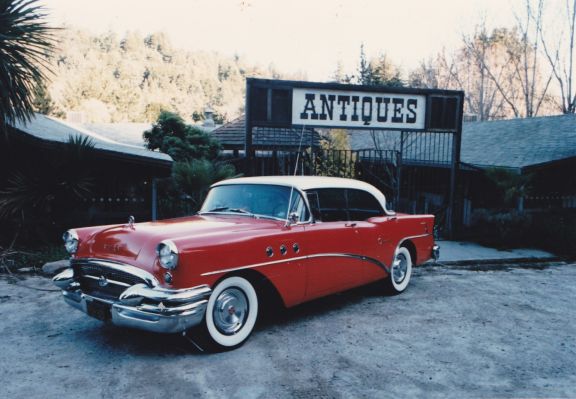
[150, 280]
[297, 258]
[412, 237]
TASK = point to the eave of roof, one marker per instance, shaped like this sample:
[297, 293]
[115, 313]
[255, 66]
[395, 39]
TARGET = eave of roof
[50, 131]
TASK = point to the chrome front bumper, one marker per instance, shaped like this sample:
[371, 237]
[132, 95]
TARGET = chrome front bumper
[140, 306]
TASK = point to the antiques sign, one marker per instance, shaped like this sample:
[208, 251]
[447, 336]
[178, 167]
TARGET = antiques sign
[358, 109]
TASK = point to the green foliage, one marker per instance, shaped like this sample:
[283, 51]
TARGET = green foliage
[36, 257]
[379, 71]
[194, 177]
[25, 42]
[196, 164]
[512, 185]
[34, 201]
[136, 76]
[551, 231]
[501, 228]
[182, 142]
[335, 159]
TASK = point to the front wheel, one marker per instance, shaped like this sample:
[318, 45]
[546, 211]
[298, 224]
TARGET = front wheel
[231, 314]
[400, 272]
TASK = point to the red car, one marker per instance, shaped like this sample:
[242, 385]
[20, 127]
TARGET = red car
[293, 238]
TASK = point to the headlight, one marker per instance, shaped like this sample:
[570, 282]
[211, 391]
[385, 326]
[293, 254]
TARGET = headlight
[167, 254]
[70, 241]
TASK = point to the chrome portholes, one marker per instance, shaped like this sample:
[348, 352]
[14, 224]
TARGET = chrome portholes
[230, 311]
[283, 249]
[296, 247]
[399, 268]
[269, 252]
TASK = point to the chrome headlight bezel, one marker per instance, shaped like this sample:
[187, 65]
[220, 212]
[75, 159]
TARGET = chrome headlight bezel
[70, 238]
[167, 254]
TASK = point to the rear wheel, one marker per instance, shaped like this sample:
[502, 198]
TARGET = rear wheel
[231, 314]
[400, 272]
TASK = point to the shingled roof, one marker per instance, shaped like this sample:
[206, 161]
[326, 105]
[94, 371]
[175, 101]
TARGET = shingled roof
[511, 143]
[232, 136]
[519, 143]
[50, 131]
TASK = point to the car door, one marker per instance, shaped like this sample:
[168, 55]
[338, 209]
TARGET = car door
[333, 256]
[373, 229]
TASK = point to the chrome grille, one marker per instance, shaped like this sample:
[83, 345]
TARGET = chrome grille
[101, 281]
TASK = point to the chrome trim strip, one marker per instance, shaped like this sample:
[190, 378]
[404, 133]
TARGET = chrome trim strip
[63, 279]
[297, 258]
[120, 267]
[417, 236]
[114, 282]
[158, 294]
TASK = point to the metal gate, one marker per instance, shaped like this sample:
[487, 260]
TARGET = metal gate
[414, 174]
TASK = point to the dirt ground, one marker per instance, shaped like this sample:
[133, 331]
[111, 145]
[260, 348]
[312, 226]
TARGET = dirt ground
[460, 333]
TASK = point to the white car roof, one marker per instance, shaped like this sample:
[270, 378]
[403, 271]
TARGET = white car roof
[304, 183]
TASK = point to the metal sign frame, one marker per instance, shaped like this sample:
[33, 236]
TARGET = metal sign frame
[269, 103]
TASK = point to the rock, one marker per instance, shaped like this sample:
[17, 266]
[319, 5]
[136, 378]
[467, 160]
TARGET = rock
[51, 268]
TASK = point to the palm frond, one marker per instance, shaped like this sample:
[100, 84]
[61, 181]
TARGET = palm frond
[26, 42]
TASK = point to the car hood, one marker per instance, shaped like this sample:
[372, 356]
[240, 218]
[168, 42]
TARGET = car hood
[139, 241]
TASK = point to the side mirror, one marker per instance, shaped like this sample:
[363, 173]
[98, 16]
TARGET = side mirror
[292, 219]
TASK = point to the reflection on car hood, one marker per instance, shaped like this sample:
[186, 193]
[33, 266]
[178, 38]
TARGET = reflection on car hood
[123, 241]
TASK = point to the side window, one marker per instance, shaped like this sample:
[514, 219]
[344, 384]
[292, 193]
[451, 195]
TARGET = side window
[362, 205]
[328, 204]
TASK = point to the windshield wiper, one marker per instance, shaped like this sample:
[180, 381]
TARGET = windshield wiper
[219, 209]
[227, 209]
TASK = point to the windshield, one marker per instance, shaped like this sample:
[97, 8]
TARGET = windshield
[260, 200]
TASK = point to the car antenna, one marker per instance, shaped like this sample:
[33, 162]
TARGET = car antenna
[295, 171]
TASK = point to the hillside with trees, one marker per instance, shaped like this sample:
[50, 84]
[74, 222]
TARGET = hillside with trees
[110, 78]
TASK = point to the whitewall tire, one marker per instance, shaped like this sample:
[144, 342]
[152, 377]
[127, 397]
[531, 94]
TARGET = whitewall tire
[400, 271]
[231, 313]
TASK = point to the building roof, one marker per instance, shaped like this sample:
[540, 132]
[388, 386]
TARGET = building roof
[232, 136]
[511, 143]
[121, 132]
[519, 143]
[53, 131]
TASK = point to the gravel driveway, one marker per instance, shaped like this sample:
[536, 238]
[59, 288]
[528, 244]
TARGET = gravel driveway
[454, 333]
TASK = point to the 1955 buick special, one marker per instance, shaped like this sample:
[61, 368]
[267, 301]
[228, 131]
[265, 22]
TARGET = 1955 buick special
[292, 238]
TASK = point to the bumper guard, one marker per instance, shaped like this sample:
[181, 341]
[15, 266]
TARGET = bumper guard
[140, 306]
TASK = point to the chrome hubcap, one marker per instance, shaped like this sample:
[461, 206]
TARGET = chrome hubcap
[230, 311]
[399, 268]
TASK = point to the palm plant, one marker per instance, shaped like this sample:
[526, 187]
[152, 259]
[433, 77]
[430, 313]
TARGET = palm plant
[35, 200]
[26, 41]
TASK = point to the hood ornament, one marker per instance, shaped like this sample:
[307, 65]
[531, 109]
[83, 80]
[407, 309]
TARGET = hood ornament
[102, 281]
[131, 221]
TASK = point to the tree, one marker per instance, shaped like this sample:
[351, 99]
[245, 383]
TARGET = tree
[559, 48]
[500, 72]
[196, 164]
[379, 71]
[25, 43]
[509, 60]
[181, 141]
[385, 73]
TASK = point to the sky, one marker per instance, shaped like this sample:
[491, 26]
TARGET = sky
[309, 36]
